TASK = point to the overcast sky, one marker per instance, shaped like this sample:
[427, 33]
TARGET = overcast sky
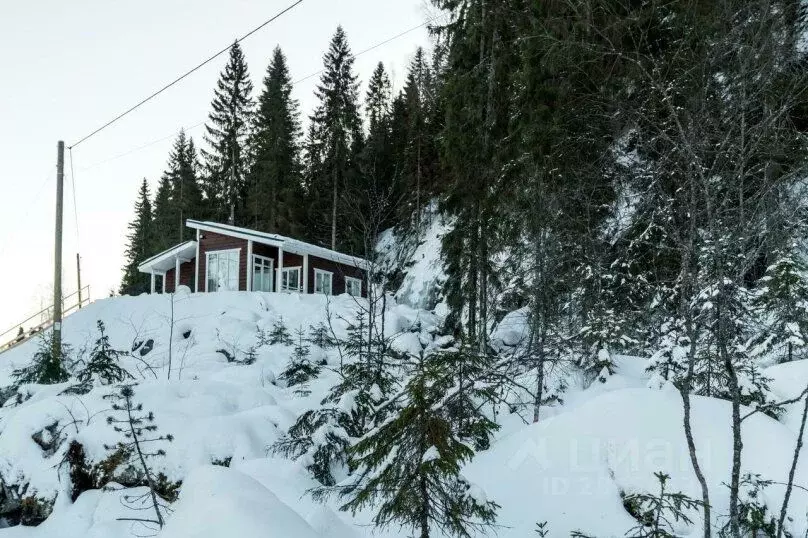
[69, 67]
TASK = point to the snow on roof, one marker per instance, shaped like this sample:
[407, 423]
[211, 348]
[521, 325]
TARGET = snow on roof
[162, 262]
[287, 243]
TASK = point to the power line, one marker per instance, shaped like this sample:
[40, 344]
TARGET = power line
[143, 146]
[181, 77]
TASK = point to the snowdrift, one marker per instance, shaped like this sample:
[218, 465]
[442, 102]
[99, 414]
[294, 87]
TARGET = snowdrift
[570, 470]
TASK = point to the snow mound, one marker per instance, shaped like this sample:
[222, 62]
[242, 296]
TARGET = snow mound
[570, 470]
[218, 502]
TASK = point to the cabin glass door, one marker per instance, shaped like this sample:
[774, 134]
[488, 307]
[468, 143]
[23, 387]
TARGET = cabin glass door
[262, 273]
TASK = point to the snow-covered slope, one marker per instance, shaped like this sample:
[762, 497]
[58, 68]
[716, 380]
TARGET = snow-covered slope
[569, 470]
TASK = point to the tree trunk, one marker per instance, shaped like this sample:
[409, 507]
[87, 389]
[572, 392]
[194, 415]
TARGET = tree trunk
[334, 213]
[790, 485]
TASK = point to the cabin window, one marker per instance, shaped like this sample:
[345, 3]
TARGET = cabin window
[222, 270]
[262, 273]
[291, 280]
[322, 281]
[353, 286]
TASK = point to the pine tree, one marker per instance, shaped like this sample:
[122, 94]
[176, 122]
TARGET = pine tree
[478, 99]
[279, 334]
[274, 201]
[140, 245]
[320, 336]
[316, 201]
[138, 431]
[338, 132]
[227, 161]
[409, 465]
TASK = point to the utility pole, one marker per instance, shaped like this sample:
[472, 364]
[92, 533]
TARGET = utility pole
[57, 265]
[78, 275]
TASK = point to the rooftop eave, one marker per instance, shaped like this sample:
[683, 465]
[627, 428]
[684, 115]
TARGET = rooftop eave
[162, 262]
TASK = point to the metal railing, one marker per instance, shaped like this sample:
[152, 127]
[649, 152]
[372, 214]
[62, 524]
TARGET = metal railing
[35, 324]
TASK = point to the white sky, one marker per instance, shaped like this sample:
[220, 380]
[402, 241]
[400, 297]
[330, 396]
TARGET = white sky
[69, 67]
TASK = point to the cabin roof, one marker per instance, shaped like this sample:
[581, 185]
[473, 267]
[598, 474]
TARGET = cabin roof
[287, 243]
[162, 262]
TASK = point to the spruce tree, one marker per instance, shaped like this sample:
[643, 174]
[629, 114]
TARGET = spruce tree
[338, 130]
[409, 466]
[300, 368]
[478, 97]
[781, 304]
[102, 366]
[274, 201]
[164, 224]
[186, 192]
[312, 172]
[419, 159]
[45, 368]
[140, 245]
[227, 160]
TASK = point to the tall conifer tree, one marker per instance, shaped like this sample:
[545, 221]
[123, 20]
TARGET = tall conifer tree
[378, 166]
[478, 100]
[186, 191]
[226, 162]
[419, 156]
[178, 196]
[164, 224]
[274, 196]
[339, 132]
[139, 246]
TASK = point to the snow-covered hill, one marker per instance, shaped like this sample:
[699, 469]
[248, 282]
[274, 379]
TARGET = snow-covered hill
[570, 470]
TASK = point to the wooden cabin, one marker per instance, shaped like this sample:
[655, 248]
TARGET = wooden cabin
[230, 258]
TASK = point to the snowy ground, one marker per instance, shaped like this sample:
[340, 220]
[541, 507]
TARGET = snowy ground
[568, 470]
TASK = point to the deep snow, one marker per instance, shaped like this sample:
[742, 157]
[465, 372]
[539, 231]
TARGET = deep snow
[568, 470]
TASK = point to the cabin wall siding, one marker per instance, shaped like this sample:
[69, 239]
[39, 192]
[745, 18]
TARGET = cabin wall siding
[186, 276]
[339, 271]
[210, 241]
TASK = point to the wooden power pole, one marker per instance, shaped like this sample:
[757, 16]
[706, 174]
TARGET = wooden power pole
[57, 265]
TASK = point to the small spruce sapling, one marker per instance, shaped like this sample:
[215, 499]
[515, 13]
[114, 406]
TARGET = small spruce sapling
[102, 365]
[755, 518]
[300, 368]
[320, 336]
[279, 334]
[139, 431]
[45, 368]
[657, 515]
